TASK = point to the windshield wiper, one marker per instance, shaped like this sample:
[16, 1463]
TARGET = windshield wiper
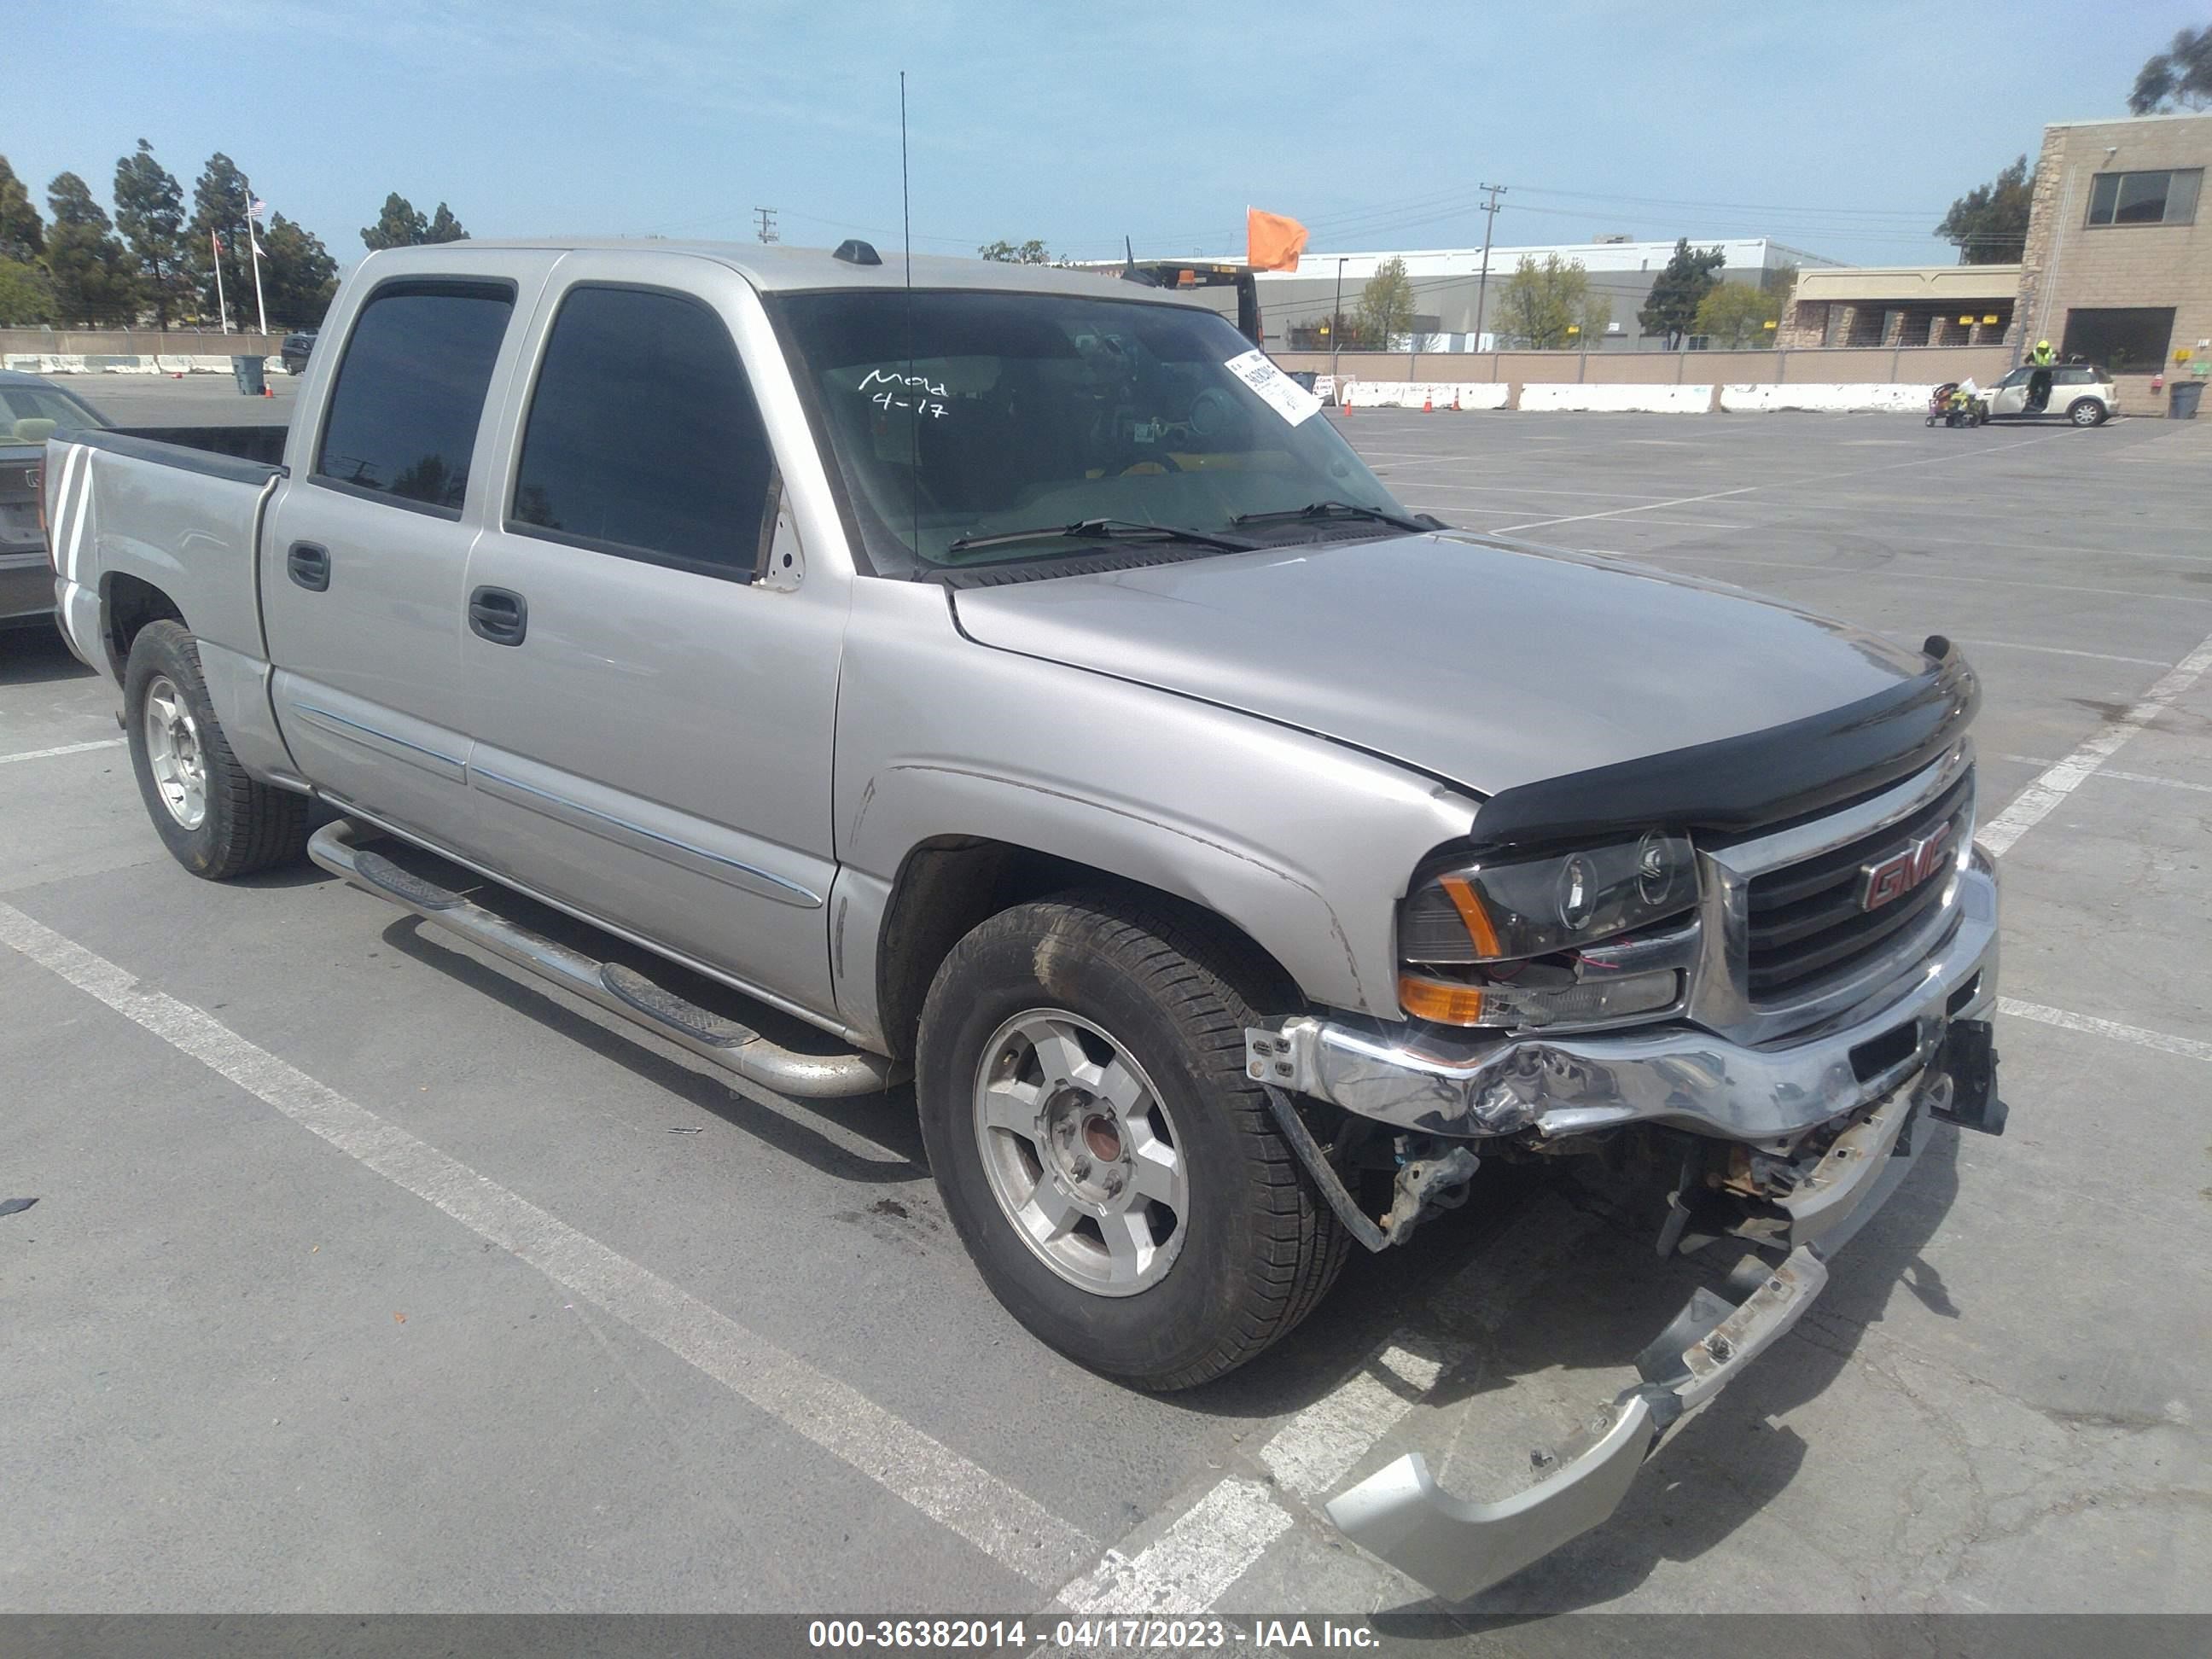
[1101, 529]
[1338, 510]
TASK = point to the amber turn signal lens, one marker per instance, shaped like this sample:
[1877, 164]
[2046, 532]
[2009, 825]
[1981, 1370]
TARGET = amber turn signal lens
[1437, 1000]
[1468, 903]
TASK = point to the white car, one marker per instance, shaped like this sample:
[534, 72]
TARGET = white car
[2081, 392]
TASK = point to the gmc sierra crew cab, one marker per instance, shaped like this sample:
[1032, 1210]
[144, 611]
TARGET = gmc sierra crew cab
[1008, 672]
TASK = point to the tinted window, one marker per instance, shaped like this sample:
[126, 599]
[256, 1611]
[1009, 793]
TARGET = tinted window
[2132, 339]
[643, 438]
[403, 419]
[2145, 198]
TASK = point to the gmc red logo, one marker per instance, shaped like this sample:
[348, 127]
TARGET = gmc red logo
[1901, 871]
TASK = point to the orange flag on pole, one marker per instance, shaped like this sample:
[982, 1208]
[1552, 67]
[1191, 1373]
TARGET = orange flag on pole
[1271, 241]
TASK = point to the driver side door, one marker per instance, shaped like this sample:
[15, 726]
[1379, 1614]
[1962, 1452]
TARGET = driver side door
[2010, 396]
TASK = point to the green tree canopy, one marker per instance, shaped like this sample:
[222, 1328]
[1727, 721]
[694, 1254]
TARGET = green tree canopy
[1736, 314]
[400, 225]
[298, 276]
[150, 211]
[444, 228]
[2179, 78]
[1547, 306]
[1989, 224]
[94, 281]
[1386, 305]
[1031, 252]
[26, 298]
[220, 201]
[1689, 276]
[23, 237]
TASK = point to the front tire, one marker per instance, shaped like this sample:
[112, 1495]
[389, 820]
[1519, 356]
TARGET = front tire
[215, 821]
[1117, 1177]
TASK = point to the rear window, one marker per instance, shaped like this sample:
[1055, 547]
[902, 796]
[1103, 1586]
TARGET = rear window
[410, 390]
[643, 439]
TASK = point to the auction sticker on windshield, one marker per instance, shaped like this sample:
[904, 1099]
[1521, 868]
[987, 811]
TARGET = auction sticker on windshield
[1283, 395]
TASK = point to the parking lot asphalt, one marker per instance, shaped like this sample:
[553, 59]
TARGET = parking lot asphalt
[366, 1275]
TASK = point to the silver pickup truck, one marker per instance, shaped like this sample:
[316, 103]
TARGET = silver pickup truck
[1009, 673]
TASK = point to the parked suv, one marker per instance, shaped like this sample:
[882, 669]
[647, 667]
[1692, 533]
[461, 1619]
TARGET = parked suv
[2081, 392]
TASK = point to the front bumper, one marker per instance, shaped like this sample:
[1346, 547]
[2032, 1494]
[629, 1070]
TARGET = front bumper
[1451, 1084]
[1459, 1549]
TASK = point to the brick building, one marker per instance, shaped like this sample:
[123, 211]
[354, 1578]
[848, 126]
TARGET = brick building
[1900, 306]
[2118, 265]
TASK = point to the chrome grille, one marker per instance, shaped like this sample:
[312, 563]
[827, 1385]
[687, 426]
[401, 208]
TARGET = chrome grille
[1805, 922]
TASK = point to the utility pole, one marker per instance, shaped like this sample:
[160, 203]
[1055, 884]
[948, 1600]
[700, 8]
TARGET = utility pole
[1482, 285]
[766, 223]
[1335, 321]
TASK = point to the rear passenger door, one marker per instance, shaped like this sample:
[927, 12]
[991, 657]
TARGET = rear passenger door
[652, 669]
[364, 552]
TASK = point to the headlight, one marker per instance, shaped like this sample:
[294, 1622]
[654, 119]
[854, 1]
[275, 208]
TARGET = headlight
[1513, 937]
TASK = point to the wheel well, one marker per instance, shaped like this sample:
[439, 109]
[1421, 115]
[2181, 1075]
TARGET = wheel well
[129, 603]
[950, 884]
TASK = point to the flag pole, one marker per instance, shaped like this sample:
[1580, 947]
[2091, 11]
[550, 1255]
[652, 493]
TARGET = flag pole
[253, 243]
[221, 307]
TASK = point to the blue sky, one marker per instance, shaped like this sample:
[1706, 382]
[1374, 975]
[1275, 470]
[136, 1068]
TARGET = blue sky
[1844, 129]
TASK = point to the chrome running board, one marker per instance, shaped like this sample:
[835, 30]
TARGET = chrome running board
[735, 1048]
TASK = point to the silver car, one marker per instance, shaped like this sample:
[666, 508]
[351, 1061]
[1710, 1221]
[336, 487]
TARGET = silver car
[31, 411]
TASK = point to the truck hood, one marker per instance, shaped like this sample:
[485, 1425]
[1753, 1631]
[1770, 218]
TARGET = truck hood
[1487, 664]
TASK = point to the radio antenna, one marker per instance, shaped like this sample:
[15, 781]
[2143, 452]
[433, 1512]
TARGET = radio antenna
[914, 413]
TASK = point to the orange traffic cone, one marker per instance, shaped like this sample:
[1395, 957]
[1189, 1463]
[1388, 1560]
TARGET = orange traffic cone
[267, 390]
[1427, 407]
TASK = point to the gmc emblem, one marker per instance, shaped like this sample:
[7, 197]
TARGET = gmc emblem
[1901, 871]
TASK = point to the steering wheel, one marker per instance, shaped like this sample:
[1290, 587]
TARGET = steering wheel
[1211, 411]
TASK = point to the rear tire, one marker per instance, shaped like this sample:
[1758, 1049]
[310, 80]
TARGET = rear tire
[215, 821]
[1149, 1005]
[2085, 412]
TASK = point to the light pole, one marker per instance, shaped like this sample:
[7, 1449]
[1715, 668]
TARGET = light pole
[1335, 321]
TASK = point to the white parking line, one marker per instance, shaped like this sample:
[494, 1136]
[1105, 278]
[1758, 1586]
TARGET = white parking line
[2063, 651]
[997, 1519]
[1908, 572]
[2188, 1047]
[2112, 774]
[2040, 799]
[65, 749]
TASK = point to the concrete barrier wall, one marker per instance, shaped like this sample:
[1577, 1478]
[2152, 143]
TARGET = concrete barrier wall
[1925, 366]
[1878, 395]
[77, 363]
[1641, 400]
[1439, 394]
[133, 343]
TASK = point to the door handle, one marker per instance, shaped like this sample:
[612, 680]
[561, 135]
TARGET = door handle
[497, 615]
[309, 565]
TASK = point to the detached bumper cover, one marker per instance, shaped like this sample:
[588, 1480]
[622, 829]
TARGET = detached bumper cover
[1459, 1549]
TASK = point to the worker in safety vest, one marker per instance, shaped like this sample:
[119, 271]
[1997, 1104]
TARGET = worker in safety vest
[2039, 380]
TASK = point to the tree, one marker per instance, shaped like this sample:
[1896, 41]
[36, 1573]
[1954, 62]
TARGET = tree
[2179, 78]
[23, 237]
[444, 228]
[1031, 252]
[1672, 308]
[298, 274]
[150, 211]
[220, 201]
[26, 298]
[399, 226]
[1989, 224]
[93, 279]
[1548, 305]
[1736, 314]
[1386, 305]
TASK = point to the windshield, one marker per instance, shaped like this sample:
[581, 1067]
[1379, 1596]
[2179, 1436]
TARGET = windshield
[1019, 412]
[32, 414]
